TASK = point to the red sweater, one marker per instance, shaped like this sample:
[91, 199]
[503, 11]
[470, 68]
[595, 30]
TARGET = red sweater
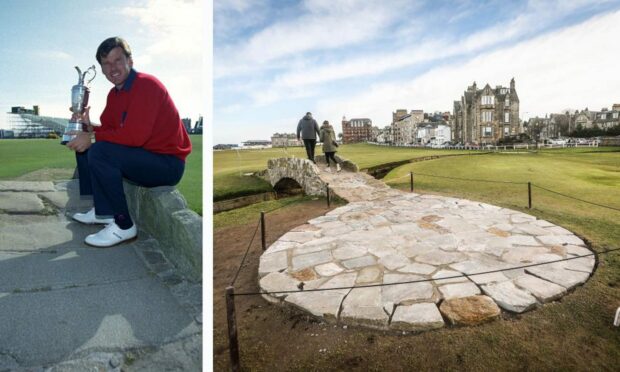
[142, 114]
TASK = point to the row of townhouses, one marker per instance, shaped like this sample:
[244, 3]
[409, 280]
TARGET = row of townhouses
[561, 125]
[482, 116]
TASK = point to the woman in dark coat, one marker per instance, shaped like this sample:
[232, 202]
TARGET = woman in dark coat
[330, 146]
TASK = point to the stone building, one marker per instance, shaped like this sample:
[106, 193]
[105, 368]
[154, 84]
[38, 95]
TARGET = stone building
[356, 130]
[385, 136]
[404, 126]
[285, 140]
[433, 133]
[584, 119]
[484, 116]
[606, 119]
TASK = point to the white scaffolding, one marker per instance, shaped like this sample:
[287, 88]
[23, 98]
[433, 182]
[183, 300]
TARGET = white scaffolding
[35, 126]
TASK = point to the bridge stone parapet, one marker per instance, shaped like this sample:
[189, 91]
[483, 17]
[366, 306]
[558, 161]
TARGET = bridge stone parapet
[303, 171]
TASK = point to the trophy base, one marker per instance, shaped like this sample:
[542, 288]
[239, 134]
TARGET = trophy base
[71, 127]
[66, 139]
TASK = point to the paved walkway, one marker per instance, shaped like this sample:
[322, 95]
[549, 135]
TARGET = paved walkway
[70, 307]
[389, 236]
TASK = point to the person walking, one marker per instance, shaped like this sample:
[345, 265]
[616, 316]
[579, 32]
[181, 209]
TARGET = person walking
[141, 139]
[328, 137]
[309, 129]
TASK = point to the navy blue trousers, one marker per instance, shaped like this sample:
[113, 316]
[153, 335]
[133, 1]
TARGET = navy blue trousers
[103, 166]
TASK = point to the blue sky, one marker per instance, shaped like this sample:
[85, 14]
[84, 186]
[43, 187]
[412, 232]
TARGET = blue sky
[275, 60]
[42, 41]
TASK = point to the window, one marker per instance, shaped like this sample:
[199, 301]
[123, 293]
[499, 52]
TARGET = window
[488, 100]
[507, 102]
[603, 116]
[486, 116]
[487, 131]
[506, 130]
[615, 115]
[506, 117]
[504, 90]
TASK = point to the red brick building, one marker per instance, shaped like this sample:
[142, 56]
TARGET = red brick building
[356, 130]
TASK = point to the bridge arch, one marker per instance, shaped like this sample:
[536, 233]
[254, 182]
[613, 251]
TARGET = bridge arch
[282, 172]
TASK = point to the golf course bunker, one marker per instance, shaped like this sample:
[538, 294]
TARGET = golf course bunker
[436, 243]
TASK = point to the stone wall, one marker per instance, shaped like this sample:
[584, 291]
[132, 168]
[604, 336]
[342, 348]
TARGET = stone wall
[162, 212]
[303, 171]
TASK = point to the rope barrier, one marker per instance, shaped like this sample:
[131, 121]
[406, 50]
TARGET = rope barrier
[395, 179]
[581, 200]
[426, 280]
[232, 283]
[469, 179]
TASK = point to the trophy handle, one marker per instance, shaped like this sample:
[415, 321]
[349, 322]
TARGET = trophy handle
[80, 76]
[94, 73]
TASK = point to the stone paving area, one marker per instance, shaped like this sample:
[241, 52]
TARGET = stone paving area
[387, 236]
[65, 306]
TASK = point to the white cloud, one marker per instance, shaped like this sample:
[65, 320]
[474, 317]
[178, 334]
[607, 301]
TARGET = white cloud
[53, 55]
[173, 48]
[575, 67]
[283, 53]
[173, 26]
[325, 26]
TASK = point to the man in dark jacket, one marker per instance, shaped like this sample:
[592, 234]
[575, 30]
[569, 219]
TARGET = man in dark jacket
[309, 129]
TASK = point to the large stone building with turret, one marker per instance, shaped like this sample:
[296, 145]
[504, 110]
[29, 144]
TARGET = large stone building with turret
[484, 116]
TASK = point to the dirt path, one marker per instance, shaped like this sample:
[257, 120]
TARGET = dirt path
[569, 335]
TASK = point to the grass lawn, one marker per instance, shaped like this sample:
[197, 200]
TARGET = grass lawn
[587, 175]
[22, 156]
[573, 333]
[230, 166]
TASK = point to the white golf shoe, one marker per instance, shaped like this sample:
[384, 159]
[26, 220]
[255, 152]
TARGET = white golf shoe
[111, 235]
[90, 218]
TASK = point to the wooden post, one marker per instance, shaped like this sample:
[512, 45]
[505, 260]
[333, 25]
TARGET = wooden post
[233, 342]
[529, 195]
[411, 180]
[327, 190]
[262, 229]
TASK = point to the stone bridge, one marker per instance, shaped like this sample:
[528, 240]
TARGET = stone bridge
[454, 257]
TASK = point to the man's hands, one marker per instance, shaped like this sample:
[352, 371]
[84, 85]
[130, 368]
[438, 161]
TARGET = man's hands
[82, 140]
[84, 117]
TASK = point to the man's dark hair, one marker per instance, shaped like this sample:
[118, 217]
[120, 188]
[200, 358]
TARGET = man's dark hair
[110, 43]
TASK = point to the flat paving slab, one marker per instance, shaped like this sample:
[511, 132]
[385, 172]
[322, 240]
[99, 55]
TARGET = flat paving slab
[69, 307]
[440, 248]
[46, 327]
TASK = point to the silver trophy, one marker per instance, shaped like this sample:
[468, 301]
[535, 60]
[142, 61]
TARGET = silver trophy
[79, 101]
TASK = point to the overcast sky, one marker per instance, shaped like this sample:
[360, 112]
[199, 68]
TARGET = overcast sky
[42, 41]
[275, 60]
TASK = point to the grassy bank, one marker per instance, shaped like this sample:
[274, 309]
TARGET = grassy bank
[21, 157]
[586, 175]
[231, 167]
[573, 333]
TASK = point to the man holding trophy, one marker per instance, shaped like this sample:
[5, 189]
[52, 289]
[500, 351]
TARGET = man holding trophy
[141, 138]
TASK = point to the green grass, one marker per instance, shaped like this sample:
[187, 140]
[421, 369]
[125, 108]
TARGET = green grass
[590, 176]
[245, 215]
[230, 166]
[574, 333]
[191, 183]
[22, 156]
